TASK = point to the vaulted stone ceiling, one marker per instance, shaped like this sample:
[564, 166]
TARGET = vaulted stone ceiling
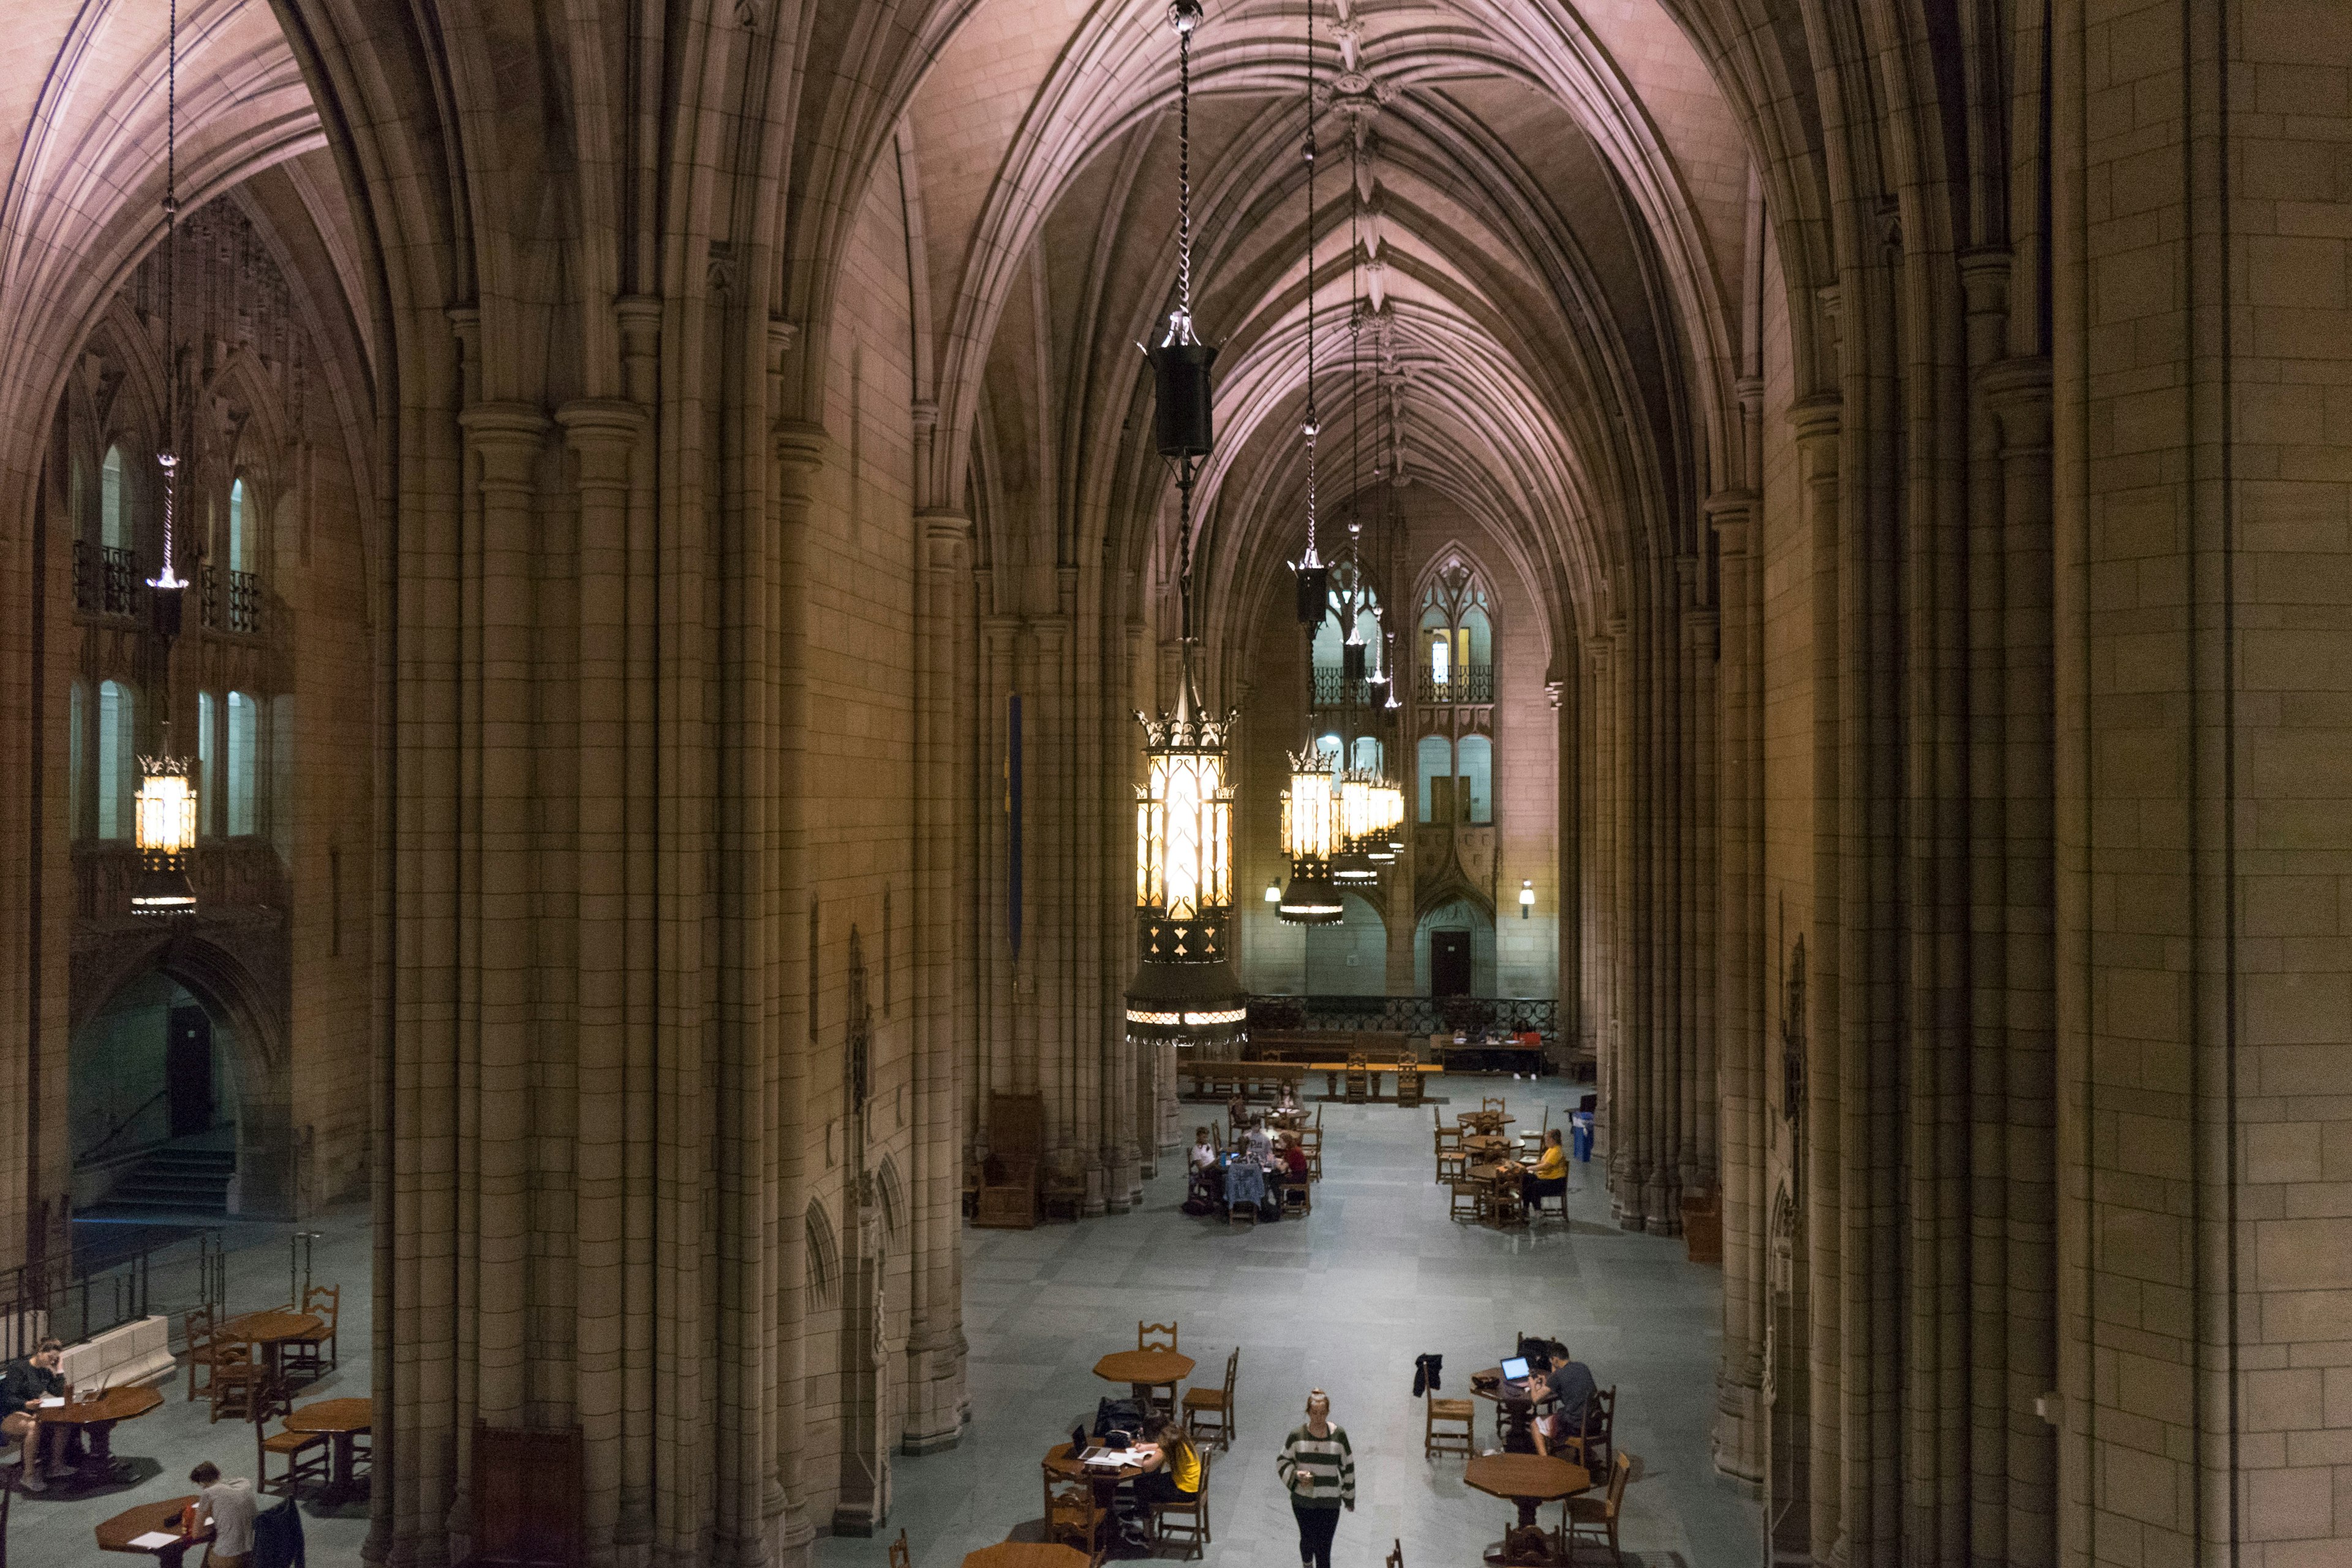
[1557, 200]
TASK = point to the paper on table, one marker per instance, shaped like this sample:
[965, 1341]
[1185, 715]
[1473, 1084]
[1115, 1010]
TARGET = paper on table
[53, 1401]
[155, 1540]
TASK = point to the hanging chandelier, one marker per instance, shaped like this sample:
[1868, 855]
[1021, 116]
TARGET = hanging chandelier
[1309, 837]
[163, 816]
[1184, 992]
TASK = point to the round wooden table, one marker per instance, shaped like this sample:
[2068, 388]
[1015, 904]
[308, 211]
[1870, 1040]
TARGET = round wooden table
[1529, 1481]
[1144, 1371]
[270, 1330]
[151, 1519]
[1026, 1554]
[96, 1418]
[344, 1420]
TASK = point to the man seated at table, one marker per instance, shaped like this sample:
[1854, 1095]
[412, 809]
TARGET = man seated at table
[1256, 1147]
[1204, 1177]
[1549, 1178]
[227, 1507]
[1570, 1387]
[23, 1386]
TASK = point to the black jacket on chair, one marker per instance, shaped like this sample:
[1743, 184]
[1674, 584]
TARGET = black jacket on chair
[278, 1537]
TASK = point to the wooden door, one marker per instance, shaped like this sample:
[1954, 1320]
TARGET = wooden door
[188, 1071]
[1449, 963]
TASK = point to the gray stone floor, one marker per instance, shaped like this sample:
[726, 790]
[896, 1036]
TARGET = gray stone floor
[1345, 1300]
[57, 1527]
[1375, 1276]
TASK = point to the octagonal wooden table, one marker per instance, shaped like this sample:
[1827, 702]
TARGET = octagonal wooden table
[344, 1420]
[1143, 1371]
[271, 1329]
[1529, 1481]
[151, 1518]
[1026, 1554]
[96, 1418]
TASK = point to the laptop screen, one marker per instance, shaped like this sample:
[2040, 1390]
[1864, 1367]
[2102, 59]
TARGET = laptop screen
[1515, 1370]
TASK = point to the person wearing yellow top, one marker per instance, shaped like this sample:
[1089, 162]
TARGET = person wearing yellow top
[1172, 1466]
[1549, 1178]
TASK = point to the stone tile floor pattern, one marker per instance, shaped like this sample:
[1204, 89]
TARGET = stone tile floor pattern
[1344, 1301]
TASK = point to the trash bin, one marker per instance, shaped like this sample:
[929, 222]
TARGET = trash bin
[1581, 1134]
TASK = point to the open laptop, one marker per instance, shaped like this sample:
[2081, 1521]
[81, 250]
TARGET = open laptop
[1514, 1373]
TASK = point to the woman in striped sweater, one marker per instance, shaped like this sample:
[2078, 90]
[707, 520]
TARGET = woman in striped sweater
[1320, 1468]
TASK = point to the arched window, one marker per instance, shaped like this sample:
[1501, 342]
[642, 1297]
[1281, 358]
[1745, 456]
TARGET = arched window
[207, 765]
[118, 758]
[1456, 636]
[240, 529]
[113, 504]
[241, 784]
[1434, 766]
[77, 762]
[1473, 775]
[1366, 753]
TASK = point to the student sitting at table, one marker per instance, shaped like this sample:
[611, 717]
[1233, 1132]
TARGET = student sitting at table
[22, 1388]
[1288, 1099]
[1570, 1387]
[1204, 1186]
[1256, 1147]
[1292, 1155]
[1549, 1178]
[1172, 1466]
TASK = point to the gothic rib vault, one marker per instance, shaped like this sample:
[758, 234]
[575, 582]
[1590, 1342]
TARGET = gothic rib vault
[1903, 436]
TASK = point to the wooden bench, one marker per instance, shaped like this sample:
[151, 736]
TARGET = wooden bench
[1376, 1069]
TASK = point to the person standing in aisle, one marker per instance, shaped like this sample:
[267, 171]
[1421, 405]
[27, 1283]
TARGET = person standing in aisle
[1319, 1468]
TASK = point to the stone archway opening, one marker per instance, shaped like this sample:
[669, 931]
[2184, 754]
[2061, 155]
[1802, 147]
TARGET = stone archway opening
[155, 1100]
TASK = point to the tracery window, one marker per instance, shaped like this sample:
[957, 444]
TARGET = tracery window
[242, 773]
[1456, 636]
[1456, 779]
[118, 757]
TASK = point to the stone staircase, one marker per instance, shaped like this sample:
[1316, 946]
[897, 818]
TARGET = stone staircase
[177, 1180]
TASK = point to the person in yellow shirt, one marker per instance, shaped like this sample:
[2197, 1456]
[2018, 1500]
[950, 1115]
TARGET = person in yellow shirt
[1172, 1466]
[1549, 1178]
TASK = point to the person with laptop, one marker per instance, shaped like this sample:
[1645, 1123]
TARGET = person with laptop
[23, 1386]
[1172, 1466]
[1570, 1388]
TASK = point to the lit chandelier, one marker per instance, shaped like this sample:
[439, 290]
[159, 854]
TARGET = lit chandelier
[165, 817]
[1185, 991]
[1309, 837]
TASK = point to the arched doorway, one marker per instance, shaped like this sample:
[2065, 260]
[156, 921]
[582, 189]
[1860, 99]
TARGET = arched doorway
[1350, 958]
[152, 1101]
[1453, 951]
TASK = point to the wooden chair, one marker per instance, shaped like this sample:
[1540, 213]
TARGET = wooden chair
[1493, 1103]
[1558, 1202]
[300, 1356]
[1409, 1088]
[1469, 1200]
[1146, 1336]
[244, 1390]
[1311, 1140]
[1075, 1517]
[1505, 1201]
[1595, 1519]
[1593, 1446]
[308, 1455]
[1295, 1199]
[1358, 1080]
[1194, 1514]
[901, 1555]
[206, 1348]
[1396, 1554]
[1202, 1403]
[1452, 1413]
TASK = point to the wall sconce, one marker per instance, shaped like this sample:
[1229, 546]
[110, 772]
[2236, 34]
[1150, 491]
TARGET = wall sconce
[1526, 896]
[1274, 892]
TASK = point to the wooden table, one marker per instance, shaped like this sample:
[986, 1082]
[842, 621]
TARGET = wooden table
[1332, 1071]
[116, 1533]
[1026, 1554]
[1485, 1121]
[344, 1420]
[1144, 1371]
[1529, 1481]
[96, 1418]
[270, 1330]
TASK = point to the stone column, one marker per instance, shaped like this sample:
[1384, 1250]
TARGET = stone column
[936, 1405]
[1740, 1006]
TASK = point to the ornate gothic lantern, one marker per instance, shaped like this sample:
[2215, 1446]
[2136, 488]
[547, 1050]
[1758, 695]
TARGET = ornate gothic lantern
[1310, 838]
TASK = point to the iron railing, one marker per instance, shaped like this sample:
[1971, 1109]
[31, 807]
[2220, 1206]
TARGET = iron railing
[232, 601]
[1408, 1014]
[80, 1294]
[1334, 690]
[1469, 686]
[105, 579]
